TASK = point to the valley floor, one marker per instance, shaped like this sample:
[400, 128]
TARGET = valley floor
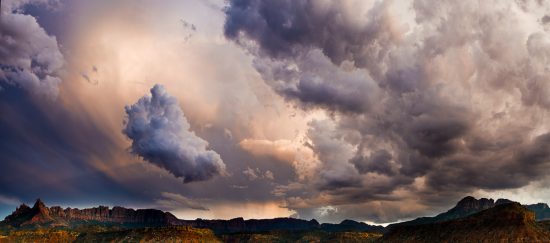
[182, 234]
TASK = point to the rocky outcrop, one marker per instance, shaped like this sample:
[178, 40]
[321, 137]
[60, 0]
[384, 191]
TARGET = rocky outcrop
[21, 214]
[39, 214]
[116, 215]
[470, 205]
[509, 222]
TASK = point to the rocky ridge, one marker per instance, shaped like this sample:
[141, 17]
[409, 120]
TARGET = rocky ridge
[508, 222]
[470, 205]
[40, 215]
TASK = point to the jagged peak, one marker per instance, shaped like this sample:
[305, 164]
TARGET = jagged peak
[469, 201]
[22, 207]
[39, 204]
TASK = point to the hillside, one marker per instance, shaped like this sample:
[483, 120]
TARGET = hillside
[510, 222]
[470, 205]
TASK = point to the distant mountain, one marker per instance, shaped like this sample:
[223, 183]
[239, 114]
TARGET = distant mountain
[282, 224]
[252, 225]
[471, 220]
[542, 211]
[41, 216]
[350, 225]
[508, 222]
[470, 205]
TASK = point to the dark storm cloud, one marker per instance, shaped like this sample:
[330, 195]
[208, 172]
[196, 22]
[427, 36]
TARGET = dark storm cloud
[378, 162]
[285, 28]
[450, 98]
[160, 134]
[314, 81]
[514, 167]
[434, 134]
[29, 57]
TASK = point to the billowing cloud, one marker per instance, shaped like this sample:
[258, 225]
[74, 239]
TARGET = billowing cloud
[378, 161]
[83, 158]
[29, 57]
[423, 97]
[161, 135]
[314, 81]
[369, 110]
[299, 156]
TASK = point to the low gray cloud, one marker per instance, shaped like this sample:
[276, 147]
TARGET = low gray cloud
[378, 162]
[29, 57]
[161, 135]
[171, 201]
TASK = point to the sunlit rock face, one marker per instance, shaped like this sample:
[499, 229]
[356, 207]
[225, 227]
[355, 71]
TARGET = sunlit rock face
[40, 215]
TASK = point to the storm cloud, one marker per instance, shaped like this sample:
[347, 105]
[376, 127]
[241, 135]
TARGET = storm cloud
[422, 99]
[161, 135]
[361, 109]
[29, 57]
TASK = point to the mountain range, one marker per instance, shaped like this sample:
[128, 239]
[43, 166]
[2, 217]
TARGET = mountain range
[470, 220]
[508, 222]
[470, 205]
[40, 215]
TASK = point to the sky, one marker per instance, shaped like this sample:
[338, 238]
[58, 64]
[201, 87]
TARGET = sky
[376, 111]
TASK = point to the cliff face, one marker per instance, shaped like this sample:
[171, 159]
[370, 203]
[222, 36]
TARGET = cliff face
[510, 222]
[470, 205]
[39, 214]
[116, 215]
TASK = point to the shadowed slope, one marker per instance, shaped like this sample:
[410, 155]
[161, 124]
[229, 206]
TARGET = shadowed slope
[508, 222]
